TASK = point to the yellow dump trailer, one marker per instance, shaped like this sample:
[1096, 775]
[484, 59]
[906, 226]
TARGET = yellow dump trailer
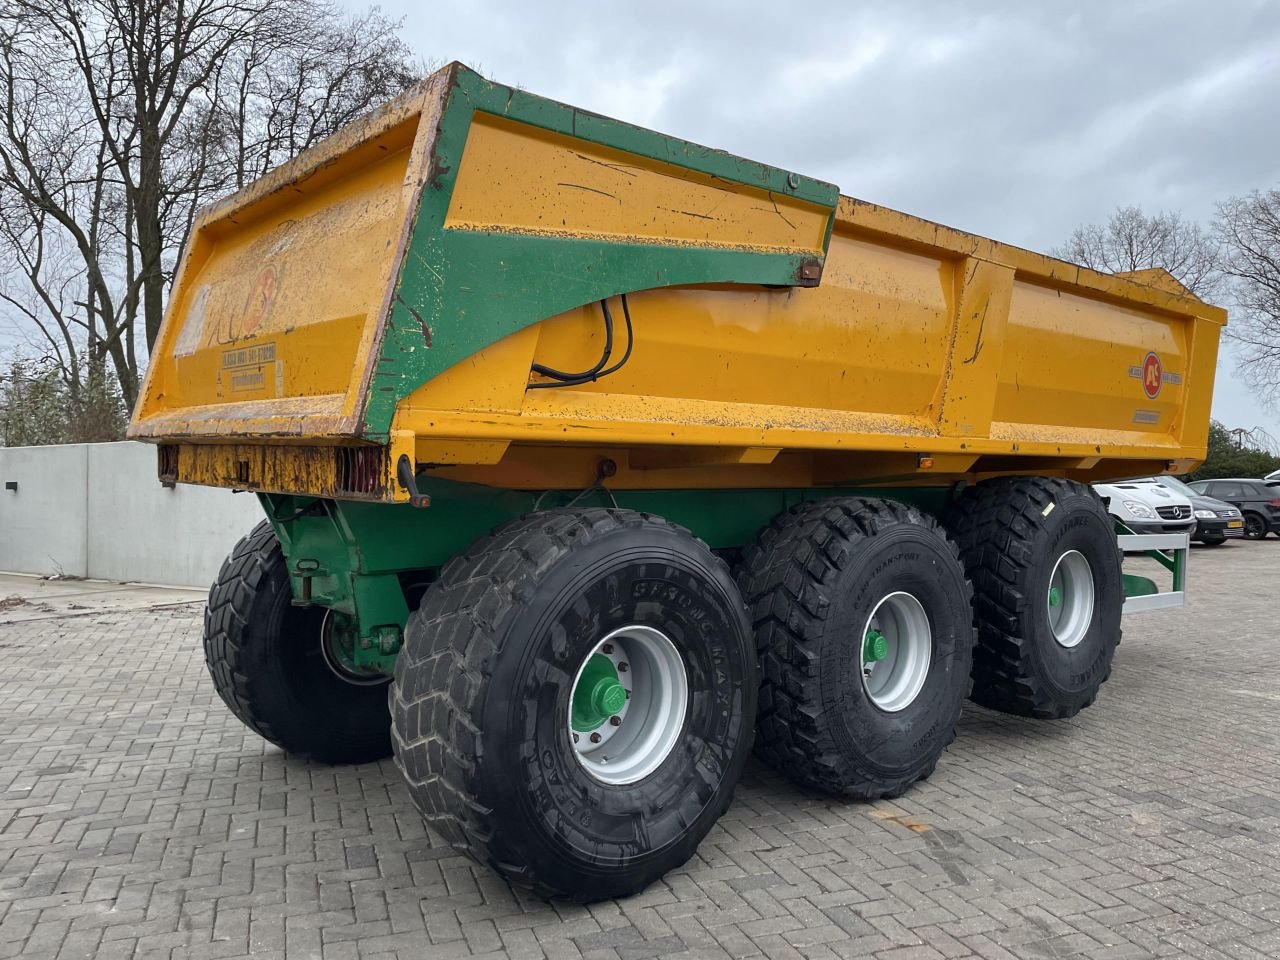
[589, 455]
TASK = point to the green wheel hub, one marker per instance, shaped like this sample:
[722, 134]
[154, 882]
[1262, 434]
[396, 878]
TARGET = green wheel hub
[598, 696]
[876, 647]
[897, 649]
[627, 704]
[1055, 597]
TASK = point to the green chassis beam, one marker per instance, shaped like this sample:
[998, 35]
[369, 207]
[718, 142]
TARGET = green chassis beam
[358, 558]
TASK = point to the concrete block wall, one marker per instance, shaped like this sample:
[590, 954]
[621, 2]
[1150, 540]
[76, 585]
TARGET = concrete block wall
[44, 522]
[97, 510]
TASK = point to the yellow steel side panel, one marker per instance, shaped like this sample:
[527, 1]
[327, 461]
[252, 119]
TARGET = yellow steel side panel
[280, 306]
[272, 324]
[516, 177]
[1192, 423]
[1072, 368]
[919, 340]
[966, 393]
[708, 358]
[305, 285]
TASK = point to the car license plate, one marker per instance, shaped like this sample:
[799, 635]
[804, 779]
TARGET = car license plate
[1232, 524]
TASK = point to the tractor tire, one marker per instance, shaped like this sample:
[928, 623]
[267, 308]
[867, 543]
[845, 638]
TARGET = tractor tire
[573, 704]
[822, 582]
[267, 663]
[1048, 593]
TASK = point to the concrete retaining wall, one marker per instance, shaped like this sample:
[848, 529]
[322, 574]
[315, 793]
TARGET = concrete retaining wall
[97, 510]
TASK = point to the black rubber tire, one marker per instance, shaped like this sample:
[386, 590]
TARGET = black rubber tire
[480, 700]
[1255, 526]
[1011, 532]
[811, 581]
[1213, 541]
[265, 659]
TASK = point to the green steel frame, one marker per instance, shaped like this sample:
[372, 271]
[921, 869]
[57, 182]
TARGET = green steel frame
[364, 560]
[360, 559]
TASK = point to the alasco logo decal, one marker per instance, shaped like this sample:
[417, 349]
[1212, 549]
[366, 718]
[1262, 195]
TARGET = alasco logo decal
[1153, 375]
[257, 307]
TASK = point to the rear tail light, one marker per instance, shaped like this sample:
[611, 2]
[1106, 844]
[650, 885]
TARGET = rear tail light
[1273, 503]
[167, 468]
[359, 470]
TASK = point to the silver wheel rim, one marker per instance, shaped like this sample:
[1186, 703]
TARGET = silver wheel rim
[1070, 598]
[636, 738]
[894, 680]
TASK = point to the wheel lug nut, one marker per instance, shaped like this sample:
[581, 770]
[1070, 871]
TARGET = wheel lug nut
[622, 667]
[575, 738]
[595, 738]
[614, 721]
[607, 648]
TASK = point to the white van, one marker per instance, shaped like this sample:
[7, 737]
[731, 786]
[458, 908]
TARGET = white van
[1148, 506]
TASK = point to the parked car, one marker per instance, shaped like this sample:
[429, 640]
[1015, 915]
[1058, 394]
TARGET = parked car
[1259, 503]
[1216, 521]
[1145, 506]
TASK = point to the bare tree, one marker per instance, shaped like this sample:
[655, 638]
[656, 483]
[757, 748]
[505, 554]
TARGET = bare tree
[54, 185]
[1249, 228]
[1132, 240]
[119, 117]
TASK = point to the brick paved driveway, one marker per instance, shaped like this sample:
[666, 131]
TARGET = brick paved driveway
[138, 819]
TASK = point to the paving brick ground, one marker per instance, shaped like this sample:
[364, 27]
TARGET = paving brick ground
[138, 819]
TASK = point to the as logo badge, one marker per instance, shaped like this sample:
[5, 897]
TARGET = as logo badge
[1152, 375]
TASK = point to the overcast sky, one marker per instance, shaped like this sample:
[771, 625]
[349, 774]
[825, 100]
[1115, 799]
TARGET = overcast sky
[1016, 120]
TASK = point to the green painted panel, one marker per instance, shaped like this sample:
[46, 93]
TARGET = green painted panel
[1136, 586]
[459, 290]
[353, 554]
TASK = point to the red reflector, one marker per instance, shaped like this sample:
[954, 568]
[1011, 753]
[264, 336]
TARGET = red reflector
[1273, 503]
[359, 470]
[168, 466]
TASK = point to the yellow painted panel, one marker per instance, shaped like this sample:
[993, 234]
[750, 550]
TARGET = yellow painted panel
[293, 362]
[274, 314]
[919, 340]
[295, 290]
[522, 178]
[810, 350]
[1075, 363]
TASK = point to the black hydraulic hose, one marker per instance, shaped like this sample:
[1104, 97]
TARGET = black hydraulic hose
[559, 378]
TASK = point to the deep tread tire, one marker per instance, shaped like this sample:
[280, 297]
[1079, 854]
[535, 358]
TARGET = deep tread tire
[811, 582]
[264, 656]
[1011, 532]
[482, 688]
